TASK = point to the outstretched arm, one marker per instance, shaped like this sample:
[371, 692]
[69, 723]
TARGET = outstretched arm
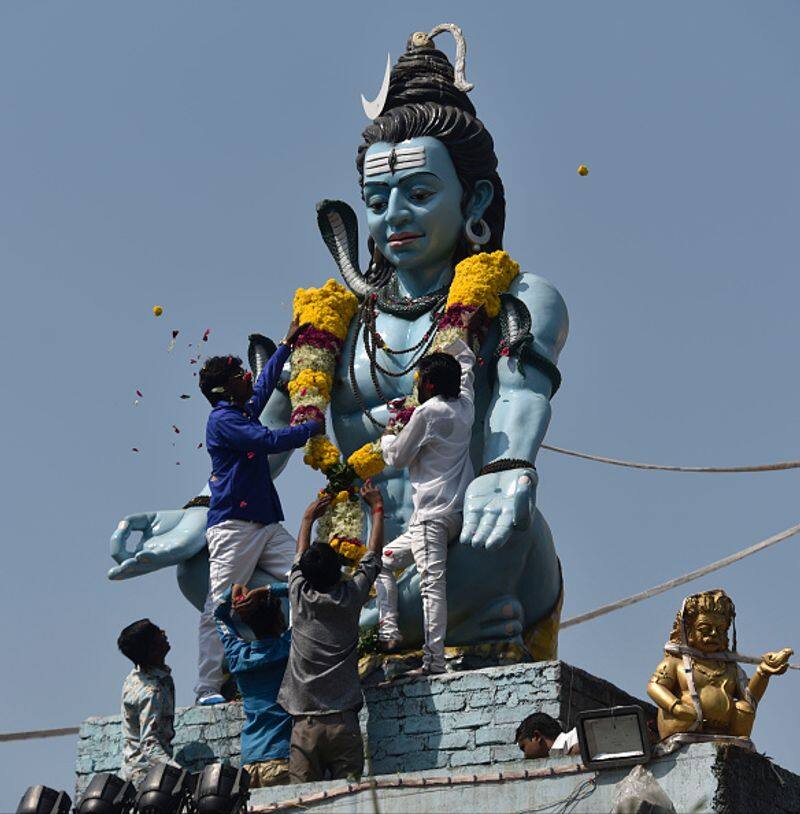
[265, 384]
[374, 499]
[314, 511]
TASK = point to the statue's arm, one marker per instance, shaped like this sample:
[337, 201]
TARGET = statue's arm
[516, 422]
[663, 683]
[519, 412]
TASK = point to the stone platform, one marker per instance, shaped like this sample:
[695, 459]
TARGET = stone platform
[449, 721]
[702, 778]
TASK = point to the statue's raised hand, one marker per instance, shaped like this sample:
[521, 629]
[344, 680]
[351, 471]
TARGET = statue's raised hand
[496, 505]
[167, 538]
[776, 664]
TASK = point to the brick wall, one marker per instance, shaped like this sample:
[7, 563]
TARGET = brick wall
[452, 720]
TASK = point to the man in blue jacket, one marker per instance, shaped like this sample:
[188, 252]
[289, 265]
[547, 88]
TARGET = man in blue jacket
[244, 529]
[259, 667]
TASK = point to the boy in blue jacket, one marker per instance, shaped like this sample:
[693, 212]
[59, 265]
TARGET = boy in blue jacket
[244, 530]
[259, 667]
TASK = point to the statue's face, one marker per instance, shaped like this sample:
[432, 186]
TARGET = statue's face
[709, 633]
[414, 215]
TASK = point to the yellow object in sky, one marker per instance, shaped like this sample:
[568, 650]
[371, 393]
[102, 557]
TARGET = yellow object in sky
[157, 310]
[583, 170]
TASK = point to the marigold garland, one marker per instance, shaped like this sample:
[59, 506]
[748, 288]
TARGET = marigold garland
[478, 282]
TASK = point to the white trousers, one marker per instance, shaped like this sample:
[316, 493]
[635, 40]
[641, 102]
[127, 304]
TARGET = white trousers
[235, 549]
[424, 544]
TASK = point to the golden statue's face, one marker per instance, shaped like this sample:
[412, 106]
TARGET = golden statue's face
[709, 633]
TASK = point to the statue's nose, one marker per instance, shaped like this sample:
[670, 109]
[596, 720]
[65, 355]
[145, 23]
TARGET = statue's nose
[397, 213]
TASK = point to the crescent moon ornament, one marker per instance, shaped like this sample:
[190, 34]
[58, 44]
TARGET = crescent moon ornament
[374, 108]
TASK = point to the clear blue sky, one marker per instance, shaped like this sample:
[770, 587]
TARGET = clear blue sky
[172, 153]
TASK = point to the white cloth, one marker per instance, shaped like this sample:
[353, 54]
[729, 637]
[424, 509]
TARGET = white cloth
[235, 549]
[434, 445]
[564, 742]
[426, 545]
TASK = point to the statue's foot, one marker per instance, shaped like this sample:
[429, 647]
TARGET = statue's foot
[500, 620]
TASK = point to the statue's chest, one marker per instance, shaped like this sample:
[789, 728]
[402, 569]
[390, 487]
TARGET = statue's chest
[378, 361]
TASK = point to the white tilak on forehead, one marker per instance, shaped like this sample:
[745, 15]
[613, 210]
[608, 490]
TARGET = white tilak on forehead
[405, 158]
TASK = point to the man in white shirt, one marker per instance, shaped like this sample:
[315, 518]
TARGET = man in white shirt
[434, 446]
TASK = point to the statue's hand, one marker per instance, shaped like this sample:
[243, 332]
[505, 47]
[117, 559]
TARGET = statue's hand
[684, 712]
[168, 537]
[776, 664]
[497, 504]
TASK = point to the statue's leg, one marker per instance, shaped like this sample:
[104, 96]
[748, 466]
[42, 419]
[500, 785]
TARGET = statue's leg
[193, 578]
[492, 595]
[495, 594]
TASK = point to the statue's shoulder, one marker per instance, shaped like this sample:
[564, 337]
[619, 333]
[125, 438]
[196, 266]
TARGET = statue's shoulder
[666, 672]
[548, 312]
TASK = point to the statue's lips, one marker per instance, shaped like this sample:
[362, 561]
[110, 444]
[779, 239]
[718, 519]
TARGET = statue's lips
[403, 239]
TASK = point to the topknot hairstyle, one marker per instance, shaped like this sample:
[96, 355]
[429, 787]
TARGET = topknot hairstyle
[424, 100]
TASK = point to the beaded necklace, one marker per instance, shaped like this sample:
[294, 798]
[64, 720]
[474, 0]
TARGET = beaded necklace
[373, 342]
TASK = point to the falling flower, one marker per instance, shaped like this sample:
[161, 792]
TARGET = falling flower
[171, 345]
[185, 396]
[139, 393]
[200, 445]
[205, 335]
[176, 429]
[583, 170]
[157, 310]
[134, 449]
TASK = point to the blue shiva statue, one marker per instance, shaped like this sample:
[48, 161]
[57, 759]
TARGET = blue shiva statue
[438, 200]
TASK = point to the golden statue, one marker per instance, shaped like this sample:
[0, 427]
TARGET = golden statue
[699, 687]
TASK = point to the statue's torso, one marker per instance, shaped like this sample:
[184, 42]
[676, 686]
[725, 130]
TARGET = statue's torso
[351, 426]
[716, 684]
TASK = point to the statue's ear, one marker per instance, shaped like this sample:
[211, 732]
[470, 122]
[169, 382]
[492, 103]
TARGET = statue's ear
[480, 199]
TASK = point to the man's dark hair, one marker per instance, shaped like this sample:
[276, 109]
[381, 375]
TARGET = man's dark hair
[136, 641]
[321, 566]
[541, 722]
[264, 616]
[215, 373]
[443, 372]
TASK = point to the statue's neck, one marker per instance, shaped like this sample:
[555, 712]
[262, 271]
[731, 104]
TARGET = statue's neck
[418, 282]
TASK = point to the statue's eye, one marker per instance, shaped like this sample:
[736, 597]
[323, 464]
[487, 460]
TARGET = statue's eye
[376, 203]
[418, 195]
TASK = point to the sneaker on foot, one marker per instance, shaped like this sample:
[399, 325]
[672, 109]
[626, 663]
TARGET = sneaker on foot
[209, 699]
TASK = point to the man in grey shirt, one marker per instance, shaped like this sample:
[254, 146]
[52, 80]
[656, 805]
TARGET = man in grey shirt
[321, 687]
